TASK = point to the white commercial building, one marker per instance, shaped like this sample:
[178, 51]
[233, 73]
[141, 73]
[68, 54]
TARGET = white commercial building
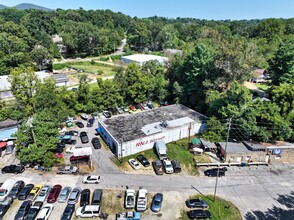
[140, 59]
[130, 134]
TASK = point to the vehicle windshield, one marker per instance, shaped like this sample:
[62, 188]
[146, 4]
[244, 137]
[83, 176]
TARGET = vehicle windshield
[2, 192]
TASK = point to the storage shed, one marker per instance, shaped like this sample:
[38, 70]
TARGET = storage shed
[130, 134]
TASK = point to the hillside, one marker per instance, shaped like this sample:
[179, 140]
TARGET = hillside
[24, 6]
[2, 6]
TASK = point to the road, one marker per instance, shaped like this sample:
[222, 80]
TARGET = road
[251, 189]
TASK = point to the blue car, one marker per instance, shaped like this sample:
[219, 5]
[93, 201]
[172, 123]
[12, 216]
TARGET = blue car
[156, 202]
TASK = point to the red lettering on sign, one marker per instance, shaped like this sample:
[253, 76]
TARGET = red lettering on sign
[141, 143]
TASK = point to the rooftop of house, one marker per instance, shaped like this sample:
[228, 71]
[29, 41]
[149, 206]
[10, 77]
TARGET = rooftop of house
[8, 123]
[234, 147]
[130, 127]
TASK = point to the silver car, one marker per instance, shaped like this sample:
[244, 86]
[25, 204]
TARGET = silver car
[74, 195]
[43, 193]
[64, 194]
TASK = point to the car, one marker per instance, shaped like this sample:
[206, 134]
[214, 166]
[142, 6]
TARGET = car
[156, 202]
[106, 114]
[90, 122]
[214, 172]
[134, 164]
[84, 116]
[144, 105]
[23, 210]
[95, 115]
[133, 110]
[119, 110]
[24, 192]
[79, 124]
[64, 194]
[150, 105]
[34, 192]
[16, 189]
[78, 159]
[91, 179]
[125, 109]
[85, 197]
[72, 133]
[68, 212]
[69, 141]
[64, 137]
[45, 212]
[164, 103]
[199, 214]
[33, 211]
[84, 137]
[54, 193]
[67, 170]
[168, 167]
[9, 148]
[43, 193]
[96, 143]
[58, 155]
[97, 197]
[88, 211]
[13, 169]
[74, 195]
[176, 166]
[139, 107]
[143, 160]
[196, 203]
[5, 205]
[158, 168]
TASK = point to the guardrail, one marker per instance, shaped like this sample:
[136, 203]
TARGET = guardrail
[242, 164]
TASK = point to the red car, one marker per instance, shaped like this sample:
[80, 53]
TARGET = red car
[54, 193]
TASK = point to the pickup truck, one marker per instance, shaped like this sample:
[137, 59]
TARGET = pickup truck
[168, 167]
[158, 168]
[142, 200]
[67, 170]
[130, 199]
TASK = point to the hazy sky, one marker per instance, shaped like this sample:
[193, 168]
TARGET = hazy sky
[203, 9]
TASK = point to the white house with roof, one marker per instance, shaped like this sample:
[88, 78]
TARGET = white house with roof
[140, 59]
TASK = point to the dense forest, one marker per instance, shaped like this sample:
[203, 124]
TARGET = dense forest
[208, 76]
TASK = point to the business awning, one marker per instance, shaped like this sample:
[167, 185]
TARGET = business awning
[3, 144]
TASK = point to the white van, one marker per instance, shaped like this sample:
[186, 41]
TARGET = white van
[6, 188]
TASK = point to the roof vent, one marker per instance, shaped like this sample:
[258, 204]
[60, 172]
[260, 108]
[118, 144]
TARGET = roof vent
[163, 124]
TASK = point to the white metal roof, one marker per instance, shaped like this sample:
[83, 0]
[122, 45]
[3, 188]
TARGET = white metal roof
[141, 58]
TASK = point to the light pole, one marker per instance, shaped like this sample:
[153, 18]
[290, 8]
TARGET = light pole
[30, 123]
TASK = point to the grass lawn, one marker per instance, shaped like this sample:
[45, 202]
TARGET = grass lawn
[176, 150]
[262, 86]
[220, 209]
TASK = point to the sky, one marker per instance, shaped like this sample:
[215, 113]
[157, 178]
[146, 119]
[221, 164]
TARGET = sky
[202, 9]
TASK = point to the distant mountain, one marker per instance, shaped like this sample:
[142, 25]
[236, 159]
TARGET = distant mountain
[2, 6]
[24, 6]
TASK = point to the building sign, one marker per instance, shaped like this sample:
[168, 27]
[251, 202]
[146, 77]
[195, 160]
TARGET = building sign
[141, 143]
[277, 151]
[82, 151]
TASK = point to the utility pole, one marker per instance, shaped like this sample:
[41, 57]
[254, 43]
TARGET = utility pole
[216, 184]
[189, 134]
[228, 133]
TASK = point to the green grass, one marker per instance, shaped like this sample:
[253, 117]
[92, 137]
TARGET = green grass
[220, 209]
[262, 86]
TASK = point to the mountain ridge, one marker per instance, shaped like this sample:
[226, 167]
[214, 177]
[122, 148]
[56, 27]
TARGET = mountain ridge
[24, 6]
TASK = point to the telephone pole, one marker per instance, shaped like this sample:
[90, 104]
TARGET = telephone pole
[228, 133]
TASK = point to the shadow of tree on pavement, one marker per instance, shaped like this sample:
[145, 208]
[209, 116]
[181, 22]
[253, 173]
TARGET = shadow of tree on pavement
[275, 213]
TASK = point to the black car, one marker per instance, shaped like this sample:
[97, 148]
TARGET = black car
[68, 212]
[79, 124]
[85, 197]
[143, 160]
[150, 105]
[106, 114]
[16, 189]
[23, 210]
[196, 203]
[84, 137]
[214, 172]
[5, 205]
[72, 133]
[34, 210]
[96, 143]
[13, 169]
[199, 214]
[69, 141]
[24, 192]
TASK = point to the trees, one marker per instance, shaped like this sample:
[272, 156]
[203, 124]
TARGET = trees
[215, 131]
[23, 83]
[41, 56]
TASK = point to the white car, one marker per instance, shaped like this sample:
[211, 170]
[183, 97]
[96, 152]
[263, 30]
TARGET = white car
[43, 193]
[45, 212]
[134, 164]
[168, 166]
[91, 179]
[88, 211]
[84, 116]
